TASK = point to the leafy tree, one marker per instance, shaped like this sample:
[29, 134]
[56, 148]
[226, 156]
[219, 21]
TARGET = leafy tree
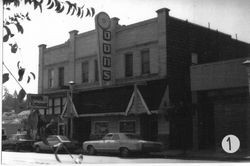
[11, 102]
[14, 22]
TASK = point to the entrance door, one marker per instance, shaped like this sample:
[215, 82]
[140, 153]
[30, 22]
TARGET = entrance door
[82, 129]
[206, 123]
[149, 127]
[61, 129]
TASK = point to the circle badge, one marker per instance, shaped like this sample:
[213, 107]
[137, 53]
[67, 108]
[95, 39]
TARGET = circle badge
[103, 20]
[230, 143]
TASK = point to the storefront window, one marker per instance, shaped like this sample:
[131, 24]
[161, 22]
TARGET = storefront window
[61, 129]
[51, 106]
[42, 111]
[49, 111]
[57, 109]
[127, 126]
[101, 128]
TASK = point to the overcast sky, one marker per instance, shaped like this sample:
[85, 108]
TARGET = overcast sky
[228, 16]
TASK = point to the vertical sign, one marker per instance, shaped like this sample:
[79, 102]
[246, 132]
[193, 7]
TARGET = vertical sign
[103, 27]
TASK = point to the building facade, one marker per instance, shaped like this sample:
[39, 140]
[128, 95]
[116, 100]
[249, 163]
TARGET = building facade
[134, 78]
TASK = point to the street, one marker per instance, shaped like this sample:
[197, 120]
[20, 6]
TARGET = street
[30, 158]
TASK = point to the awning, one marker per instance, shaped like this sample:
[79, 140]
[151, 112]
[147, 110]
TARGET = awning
[121, 100]
[69, 109]
[137, 104]
[108, 100]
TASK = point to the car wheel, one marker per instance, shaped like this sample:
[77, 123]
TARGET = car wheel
[37, 149]
[124, 152]
[91, 150]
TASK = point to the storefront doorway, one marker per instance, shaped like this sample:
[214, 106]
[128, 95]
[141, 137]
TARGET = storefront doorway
[82, 129]
[149, 127]
[206, 122]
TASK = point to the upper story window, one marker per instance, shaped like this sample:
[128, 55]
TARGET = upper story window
[194, 58]
[51, 76]
[85, 72]
[145, 63]
[96, 70]
[128, 64]
[61, 76]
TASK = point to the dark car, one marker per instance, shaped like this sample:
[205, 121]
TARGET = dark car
[52, 141]
[4, 136]
[18, 142]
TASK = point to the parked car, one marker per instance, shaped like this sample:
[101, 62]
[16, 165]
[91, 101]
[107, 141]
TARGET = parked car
[123, 143]
[4, 135]
[49, 145]
[18, 142]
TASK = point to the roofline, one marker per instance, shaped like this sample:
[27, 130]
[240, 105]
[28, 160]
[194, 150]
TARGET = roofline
[48, 49]
[134, 25]
[109, 114]
[201, 26]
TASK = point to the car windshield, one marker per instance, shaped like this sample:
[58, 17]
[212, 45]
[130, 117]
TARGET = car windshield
[23, 137]
[132, 136]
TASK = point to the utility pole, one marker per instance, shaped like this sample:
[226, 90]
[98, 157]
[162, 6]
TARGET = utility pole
[71, 86]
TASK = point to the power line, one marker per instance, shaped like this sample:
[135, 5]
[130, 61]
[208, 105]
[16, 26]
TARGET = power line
[13, 76]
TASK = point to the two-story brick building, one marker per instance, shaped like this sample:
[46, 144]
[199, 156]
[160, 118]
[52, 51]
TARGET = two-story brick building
[133, 78]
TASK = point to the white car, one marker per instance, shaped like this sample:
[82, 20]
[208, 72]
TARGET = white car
[123, 143]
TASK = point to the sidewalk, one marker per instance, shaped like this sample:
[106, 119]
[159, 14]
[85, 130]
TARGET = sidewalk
[204, 155]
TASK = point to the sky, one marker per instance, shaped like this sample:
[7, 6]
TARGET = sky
[228, 16]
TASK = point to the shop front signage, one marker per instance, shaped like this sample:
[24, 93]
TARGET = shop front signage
[37, 101]
[103, 26]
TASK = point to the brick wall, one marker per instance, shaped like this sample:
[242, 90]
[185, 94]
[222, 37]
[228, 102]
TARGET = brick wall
[86, 44]
[136, 50]
[178, 60]
[78, 68]
[136, 34]
[56, 54]
[184, 38]
[230, 118]
[163, 131]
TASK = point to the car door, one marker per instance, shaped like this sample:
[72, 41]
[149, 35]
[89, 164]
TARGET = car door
[12, 141]
[114, 143]
[105, 146]
[8, 143]
[52, 140]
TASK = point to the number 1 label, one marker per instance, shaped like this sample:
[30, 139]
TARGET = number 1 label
[230, 143]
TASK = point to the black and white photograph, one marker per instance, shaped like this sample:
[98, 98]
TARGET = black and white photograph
[125, 82]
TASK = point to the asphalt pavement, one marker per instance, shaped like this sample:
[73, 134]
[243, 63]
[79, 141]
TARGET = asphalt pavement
[30, 158]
